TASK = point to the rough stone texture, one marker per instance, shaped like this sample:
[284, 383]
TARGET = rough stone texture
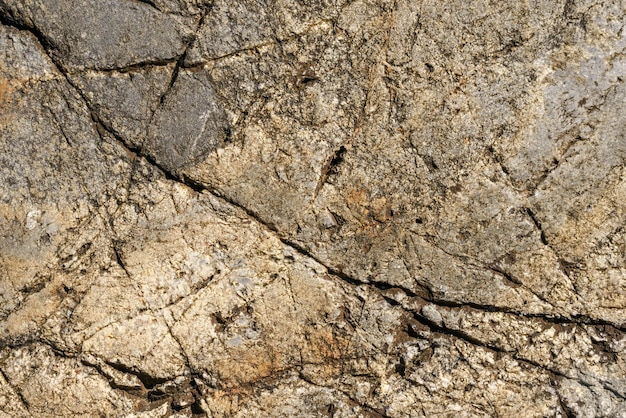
[316, 208]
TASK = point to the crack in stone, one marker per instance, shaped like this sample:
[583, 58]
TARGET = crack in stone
[492, 268]
[375, 412]
[516, 282]
[17, 392]
[131, 68]
[147, 380]
[424, 292]
[477, 342]
[563, 264]
[459, 334]
[151, 4]
[537, 224]
[331, 164]
[567, 411]
[159, 315]
[131, 390]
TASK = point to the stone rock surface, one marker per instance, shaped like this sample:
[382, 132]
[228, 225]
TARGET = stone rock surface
[374, 208]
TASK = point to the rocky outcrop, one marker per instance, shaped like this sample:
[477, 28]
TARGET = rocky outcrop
[331, 208]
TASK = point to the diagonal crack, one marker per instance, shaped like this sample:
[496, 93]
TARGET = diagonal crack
[516, 282]
[493, 268]
[459, 334]
[17, 392]
[122, 264]
[180, 61]
[151, 4]
[147, 380]
[537, 224]
[98, 367]
[328, 168]
[423, 292]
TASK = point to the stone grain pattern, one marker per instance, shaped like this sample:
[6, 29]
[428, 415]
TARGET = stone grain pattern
[367, 208]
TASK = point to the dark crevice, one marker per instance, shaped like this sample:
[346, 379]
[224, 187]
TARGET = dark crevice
[200, 188]
[514, 354]
[147, 380]
[17, 392]
[338, 158]
[581, 320]
[180, 346]
[498, 159]
[34, 340]
[12, 21]
[33, 288]
[430, 162]
[58, 351]
[132, 390]
[515, 282]
[475, 341]
[120, 261]
[151, 4]
[614, 391]
[567, 411]
[578, 320]
[196, 406]
[510, 278]
[457, 334]
[134, 67]
[173, 78]
[424, 292]
[532, 216]
[329, 169]
[180, 61]
[564, 266]
[550, 371]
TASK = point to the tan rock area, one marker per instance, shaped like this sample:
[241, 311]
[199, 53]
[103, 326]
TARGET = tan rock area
[330, 208]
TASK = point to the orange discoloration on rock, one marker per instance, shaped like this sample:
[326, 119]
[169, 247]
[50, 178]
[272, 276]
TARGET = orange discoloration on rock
[357, 196]
[5, 90]
[248, 367]
[324, 345]
[367, 208]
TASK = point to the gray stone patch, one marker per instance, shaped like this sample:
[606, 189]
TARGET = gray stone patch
[102, 34]
[190, 123]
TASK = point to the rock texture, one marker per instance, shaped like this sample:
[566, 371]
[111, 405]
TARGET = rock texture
[374, 208]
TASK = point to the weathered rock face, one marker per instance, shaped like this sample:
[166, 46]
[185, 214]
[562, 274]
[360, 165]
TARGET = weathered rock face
[315, 208]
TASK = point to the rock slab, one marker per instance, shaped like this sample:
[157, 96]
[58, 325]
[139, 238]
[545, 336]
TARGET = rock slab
[319, 208]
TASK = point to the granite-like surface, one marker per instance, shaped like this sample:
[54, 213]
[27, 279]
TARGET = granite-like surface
[312, 208]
